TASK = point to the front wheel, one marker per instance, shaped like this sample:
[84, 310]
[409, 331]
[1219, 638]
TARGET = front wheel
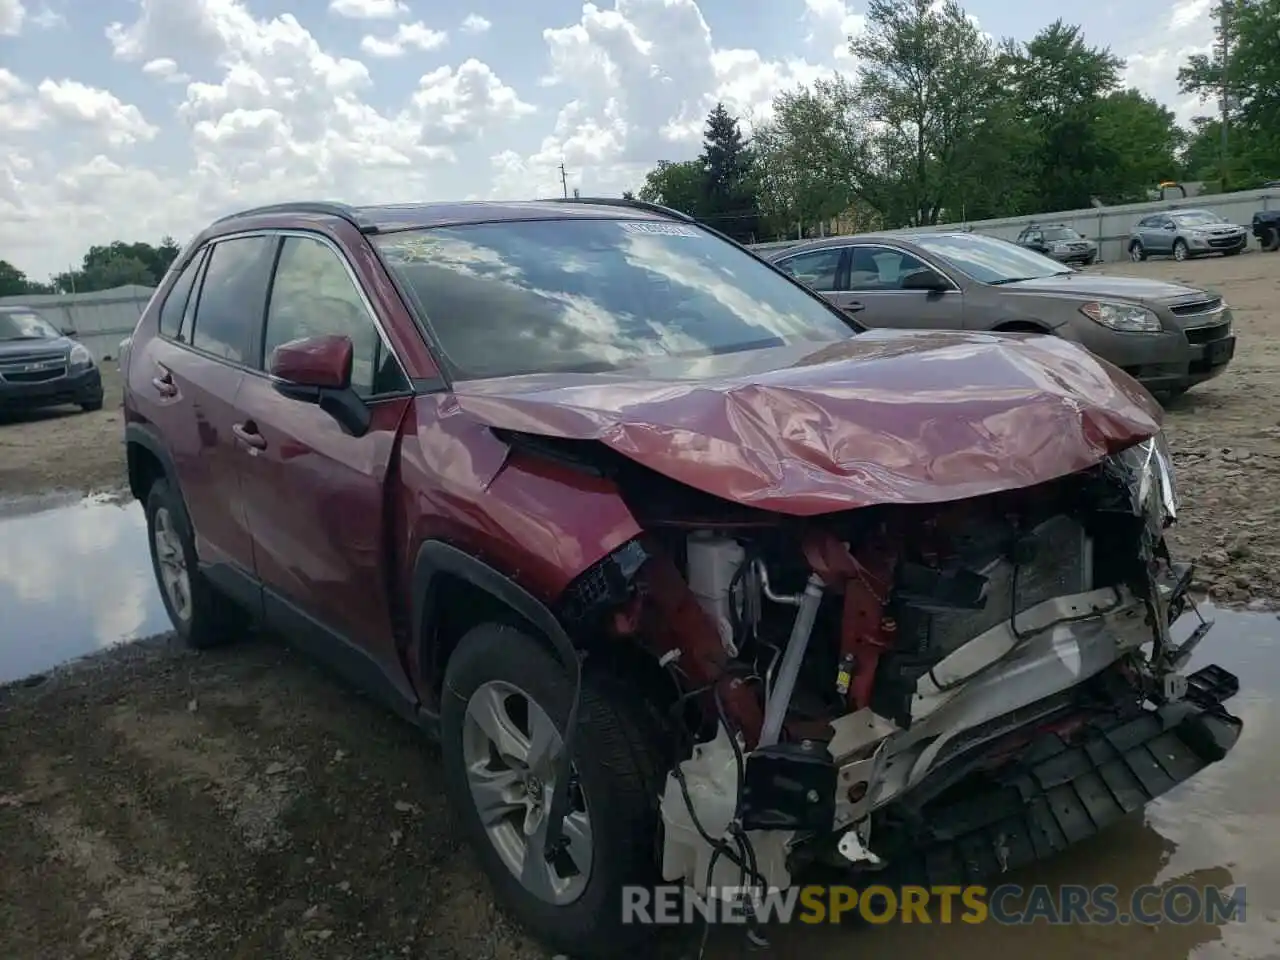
[1137, 253]
[93, 406]
[504, 708]
[201, 617]
[1271, 239]
[1180, 251]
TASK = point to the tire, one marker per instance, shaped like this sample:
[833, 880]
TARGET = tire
[1088, 261]
[1271, 239]
[1171, 396]
[1137, 252]
[619, 777]
[1180, 251]
[93, 406]
[205, 619]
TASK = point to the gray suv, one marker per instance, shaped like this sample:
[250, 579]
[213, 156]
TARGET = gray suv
[1060, 242]
[1166, 335]
[1185, 234]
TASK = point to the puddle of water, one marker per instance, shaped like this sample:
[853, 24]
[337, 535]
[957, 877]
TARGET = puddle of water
[75, 577]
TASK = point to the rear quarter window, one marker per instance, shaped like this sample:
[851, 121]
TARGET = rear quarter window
[175, 303]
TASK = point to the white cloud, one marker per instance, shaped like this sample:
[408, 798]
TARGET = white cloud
[245, 106]
[12, 14]
[408, 36]
[369, 9]
[166, 69]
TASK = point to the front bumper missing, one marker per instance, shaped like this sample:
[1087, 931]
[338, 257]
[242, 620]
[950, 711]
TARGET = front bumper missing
[1058, 794]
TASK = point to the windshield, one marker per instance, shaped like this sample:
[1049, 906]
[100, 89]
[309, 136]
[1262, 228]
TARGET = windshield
[25, 326]
[1060, 233]
[1198, 218]
[589, 295]
[989, 260]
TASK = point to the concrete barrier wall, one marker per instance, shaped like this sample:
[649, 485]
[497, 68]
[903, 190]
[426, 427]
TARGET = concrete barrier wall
[1108, 226]
[101, 319]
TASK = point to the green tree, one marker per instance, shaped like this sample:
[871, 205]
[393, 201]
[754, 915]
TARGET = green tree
[1250, 75]
[927, 79]
[118, 264]
[729, 202]
[810, 156]
[675, 185]
[1058, 82]
[1140, 141]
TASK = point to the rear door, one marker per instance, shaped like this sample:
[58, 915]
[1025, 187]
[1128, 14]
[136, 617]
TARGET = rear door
[872, 290]
[190, 375]
[820, 270]
[316, 497]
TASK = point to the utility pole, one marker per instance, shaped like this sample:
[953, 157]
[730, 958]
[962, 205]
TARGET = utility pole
[564, 180]
[1224, 14]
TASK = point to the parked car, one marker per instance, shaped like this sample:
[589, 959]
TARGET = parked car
[1266, 227]
[1185, 234]
[1166, 335]
[1059, 242]
[583, 488]
[44, 367]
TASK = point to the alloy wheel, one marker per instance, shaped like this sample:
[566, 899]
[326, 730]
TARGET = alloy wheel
[175, 579]
[510, 746]
[1135, 253]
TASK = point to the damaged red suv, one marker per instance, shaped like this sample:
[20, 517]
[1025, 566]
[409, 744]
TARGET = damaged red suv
[693, 579]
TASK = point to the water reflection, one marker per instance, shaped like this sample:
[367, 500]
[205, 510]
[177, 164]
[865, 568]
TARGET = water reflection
[73, 579]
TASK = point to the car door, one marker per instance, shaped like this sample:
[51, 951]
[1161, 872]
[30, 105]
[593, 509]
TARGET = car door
[1162, 235]
[820, 270]
[191, 374]
[1034, 240]
[873, 291]
[315, 496]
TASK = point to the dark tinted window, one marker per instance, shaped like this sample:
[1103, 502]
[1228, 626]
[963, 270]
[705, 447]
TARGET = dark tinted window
[313, 294]
[233, 296]
[175, 304]
[1060, 233]
[581, 295]
[817, 270]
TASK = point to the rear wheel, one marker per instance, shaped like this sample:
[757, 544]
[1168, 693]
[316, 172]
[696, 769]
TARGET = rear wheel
[1137, 253]
[504, 709]
[201, 617]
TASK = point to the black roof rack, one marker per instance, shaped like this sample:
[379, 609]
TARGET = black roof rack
[327, 208]
[627, 202]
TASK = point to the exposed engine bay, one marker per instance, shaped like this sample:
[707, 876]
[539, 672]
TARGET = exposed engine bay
[843, 679]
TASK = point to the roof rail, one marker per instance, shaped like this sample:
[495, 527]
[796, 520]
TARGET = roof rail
[627, 202]
[327, 208]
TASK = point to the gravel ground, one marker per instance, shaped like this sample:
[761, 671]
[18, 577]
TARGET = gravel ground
[238, 804]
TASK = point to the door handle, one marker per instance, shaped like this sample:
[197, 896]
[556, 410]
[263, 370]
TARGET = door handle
[854, 307]
[164, 385]
[248, 434]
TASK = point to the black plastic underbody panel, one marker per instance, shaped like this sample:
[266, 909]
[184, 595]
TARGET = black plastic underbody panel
[1057, 794]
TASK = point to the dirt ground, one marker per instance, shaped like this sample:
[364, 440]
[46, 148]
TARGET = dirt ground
[156, 803]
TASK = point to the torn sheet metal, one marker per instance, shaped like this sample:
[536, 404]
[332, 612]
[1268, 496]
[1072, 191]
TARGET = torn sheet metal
[885, 417]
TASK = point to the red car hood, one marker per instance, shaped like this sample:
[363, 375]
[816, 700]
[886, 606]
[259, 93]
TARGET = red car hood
[885, 417]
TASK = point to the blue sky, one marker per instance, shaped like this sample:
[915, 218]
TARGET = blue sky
[133, 118]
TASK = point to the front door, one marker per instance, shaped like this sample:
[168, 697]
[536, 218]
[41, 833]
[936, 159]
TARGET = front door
[873, 291]
[316, 497]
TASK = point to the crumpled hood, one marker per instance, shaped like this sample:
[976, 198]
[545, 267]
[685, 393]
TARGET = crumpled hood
[885, 417]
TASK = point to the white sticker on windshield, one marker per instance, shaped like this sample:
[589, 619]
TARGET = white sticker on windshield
[659, 228]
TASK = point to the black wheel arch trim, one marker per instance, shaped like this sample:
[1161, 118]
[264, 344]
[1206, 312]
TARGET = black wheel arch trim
[435, 557]
[145, 437]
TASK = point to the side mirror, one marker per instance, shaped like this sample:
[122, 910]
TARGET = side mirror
[320, 363]
[318, 370]
[68, 331]
[927, 280]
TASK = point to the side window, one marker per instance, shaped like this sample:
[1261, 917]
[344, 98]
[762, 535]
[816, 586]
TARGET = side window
[880, 268]
[175, 304]
[233, 295]
[1034, 237]
[314, 295]
[817, 270]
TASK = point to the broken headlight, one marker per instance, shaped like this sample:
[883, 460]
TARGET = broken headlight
[1147, 472]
